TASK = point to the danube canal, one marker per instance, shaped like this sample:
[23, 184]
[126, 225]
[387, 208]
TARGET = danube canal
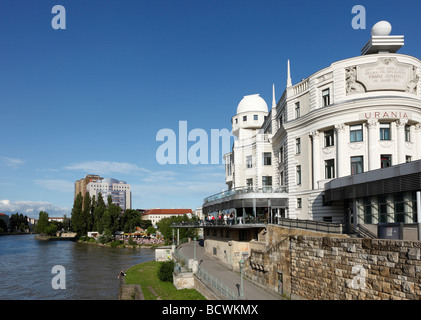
[91, 271]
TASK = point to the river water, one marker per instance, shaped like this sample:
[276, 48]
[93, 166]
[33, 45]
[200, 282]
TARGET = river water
[89, 271]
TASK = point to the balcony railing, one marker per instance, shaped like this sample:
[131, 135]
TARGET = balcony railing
[243, 190]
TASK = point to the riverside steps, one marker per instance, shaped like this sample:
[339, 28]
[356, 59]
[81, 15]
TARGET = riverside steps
[225, 276]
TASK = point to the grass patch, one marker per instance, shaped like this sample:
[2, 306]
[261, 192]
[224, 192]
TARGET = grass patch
[146, 275]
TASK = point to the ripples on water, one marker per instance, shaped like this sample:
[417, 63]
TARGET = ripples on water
[91, 271]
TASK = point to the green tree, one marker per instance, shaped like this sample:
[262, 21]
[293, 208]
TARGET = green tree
[18, 222]
[130, 220]
[86, 214]
[98, 212]
[42, 222]
[77, 218]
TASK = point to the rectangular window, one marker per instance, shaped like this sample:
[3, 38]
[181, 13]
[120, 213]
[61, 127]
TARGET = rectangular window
[299, 203]
[267, 183]
[267, 158]
[297, 109]
[357, 165]
[326, 97]
[329, 138]
[385, 160]
[244, 118]
[384, 131]
[281, 155]
[298, 146]
[330, 169]
[383, 205]
[249, 182]
[281, 178]
[356, 133]
[407, 133]
[249, 162]
[298, 174]
[255, 117]
[408, 158]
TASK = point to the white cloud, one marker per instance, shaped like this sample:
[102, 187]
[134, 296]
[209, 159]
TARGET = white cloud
[32, 208]
[11, 162]
[107, 167]
[56, 185]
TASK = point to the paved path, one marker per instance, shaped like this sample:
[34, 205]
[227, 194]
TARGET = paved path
[225, 275]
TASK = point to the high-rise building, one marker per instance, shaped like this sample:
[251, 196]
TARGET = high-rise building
[80, 185]
[118, 190]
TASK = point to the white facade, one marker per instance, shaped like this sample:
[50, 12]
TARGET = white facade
[356, 115]
[118, 190]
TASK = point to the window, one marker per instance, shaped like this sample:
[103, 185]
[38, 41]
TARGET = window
[298, 146]
[255, 117]
[408, 158]
[297, 109]
[330, 169]
[280, 121]
[244, 118]
[384, 131]
[267, 158]
[236, 120]
[356, 133]
[357, 165]
[329, 138]
[249, 162]
[326, 97]
[299, 203]
[298, 174]
[267, 183]
[249, 182]
[385, 160]
[281, 155]
[407, 133]
[281, 178]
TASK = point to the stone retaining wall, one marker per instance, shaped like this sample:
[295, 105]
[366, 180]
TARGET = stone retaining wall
[334, 268]
[328, 267]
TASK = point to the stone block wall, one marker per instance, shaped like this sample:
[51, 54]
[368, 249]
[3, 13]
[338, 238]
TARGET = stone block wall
[367, 269]
[326, 267]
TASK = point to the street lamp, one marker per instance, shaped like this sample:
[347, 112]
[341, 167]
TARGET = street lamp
[241, 278]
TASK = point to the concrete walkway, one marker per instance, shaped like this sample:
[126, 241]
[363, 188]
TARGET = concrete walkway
[225, 275]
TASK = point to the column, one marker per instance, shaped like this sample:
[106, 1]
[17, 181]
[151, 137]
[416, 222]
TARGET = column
[373, 140]
[419, 214]
[341, 158]
[316, 158]
[417, 143]
[400, 140]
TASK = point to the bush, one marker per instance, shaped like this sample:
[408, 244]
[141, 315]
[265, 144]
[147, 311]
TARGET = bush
[166, 270]
[115, 243]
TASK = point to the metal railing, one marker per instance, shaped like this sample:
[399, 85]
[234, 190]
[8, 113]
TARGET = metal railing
[320, 226]
[215, 284]
[182, 266]
[360, 231]
[242, 190]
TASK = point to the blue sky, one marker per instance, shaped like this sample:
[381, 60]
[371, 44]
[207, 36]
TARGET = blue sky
[91, 98]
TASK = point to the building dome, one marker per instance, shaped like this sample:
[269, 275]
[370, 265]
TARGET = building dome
[252, 103]
[381, 28]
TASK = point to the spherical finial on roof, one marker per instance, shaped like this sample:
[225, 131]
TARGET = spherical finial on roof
[252, 103]
[381, 28]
